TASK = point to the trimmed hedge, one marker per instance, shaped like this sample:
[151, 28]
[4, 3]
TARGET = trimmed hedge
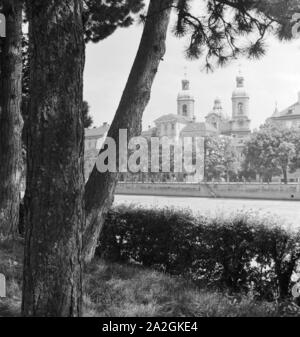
[239, 253]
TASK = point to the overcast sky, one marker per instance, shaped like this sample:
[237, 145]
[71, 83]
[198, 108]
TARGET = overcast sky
[276, 77]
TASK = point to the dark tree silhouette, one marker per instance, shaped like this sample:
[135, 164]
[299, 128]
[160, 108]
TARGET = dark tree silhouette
[218, 34]
[102, 18]
[54, 216]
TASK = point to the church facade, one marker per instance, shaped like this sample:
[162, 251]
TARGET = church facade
[184, 122]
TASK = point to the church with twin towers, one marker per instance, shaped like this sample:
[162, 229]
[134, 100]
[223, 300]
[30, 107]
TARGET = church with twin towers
[184, 123]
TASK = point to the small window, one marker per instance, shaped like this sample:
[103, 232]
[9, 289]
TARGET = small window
[240, 108]
[184, 110]
[173, 126]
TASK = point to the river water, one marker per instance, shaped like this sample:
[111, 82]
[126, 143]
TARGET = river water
[287, 211]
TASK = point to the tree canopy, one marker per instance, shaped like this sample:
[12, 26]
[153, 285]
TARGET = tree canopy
[221, 158]
[272, 151]
[102, 18]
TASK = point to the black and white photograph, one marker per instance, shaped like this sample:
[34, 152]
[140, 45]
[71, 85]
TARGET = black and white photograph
[149, 162]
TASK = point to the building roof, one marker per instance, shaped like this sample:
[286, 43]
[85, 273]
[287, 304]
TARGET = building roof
[212, 113]
[150, 132]
[172, 117]
[97, 132]
[217, 109]
[199, 127]
[291, 111]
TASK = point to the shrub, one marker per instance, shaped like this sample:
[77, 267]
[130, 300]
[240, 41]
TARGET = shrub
[238, 253]
[226, 246]
[278, 254]
[154, 238]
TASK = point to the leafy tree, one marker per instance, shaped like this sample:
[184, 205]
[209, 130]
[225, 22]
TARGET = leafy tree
[230, 161]
[221, 159]
[295, 161]
[272, 151]
[260, 155]
[286, 153]
[213, 159]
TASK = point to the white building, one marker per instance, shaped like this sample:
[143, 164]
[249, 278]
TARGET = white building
[184, 122]
[289, 117]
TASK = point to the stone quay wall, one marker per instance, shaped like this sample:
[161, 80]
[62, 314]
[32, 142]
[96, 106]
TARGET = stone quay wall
[274, 191]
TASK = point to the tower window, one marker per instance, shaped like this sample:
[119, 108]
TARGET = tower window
[184, 110]
[240, 108]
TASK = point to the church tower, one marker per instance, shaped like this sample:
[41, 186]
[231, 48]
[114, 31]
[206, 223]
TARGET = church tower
[240, 122]
[185, 100]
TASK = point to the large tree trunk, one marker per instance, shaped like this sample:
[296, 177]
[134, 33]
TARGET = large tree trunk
[54, 213]
[10, 118]
[100, 188]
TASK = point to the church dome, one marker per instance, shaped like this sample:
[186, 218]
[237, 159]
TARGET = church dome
[217, 109]
[240, 92]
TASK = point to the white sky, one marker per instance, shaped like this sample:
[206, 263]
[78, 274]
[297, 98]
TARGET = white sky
[276, 77]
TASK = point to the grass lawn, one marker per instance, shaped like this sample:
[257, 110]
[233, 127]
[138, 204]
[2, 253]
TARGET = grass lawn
[113, 290]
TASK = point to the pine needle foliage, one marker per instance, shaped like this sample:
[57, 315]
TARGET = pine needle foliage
[223, 30]
[103, 17]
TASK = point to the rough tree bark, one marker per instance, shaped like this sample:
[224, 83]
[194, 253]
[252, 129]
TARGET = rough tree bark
[54, 212]
[100, 188]
[11, 122]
